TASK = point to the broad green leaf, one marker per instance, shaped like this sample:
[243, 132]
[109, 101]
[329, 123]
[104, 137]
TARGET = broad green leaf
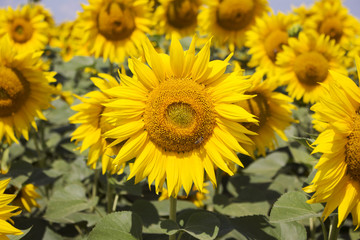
[66, 201]
[203, 225]
[239, 209]
[302, 154]
[290, 207]
[269, 165]
[163, 206]
[18, 237]
[288, 231]
[148, 215]
[118, 226]
[169, 227]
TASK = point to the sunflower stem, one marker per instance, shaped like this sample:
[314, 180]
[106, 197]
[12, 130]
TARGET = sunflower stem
[95, 183]
[334, 230]
[109, 193]
[172, 214]
[312, 228]
[324, 230]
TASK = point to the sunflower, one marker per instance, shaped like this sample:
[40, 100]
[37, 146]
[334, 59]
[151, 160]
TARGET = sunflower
[94, 121]
[177, 17]
[25, 197]
[265, 41]
[272, 109]
[195, 196]
[6, 212]
[24, 92]
[228, 20]
[333, 20]
[305, 63]
[178, 117]
[114, 28]
[26, 28]
[337, 181]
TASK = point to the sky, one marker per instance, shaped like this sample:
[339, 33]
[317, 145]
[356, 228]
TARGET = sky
[66, 9]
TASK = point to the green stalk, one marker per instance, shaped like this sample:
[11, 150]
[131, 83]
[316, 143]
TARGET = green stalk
[109, 193]
[324, 230]
[334, 230]
[172, 215]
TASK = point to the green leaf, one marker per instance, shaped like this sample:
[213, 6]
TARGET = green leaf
[239, 209]
[118, 226]
[147, 212]
[203, 225]
[302, 154]
[18, 237]
[163, 206]
[269, 165]
[289, 231]
[290, 207]
[66, 201]
[169, 227]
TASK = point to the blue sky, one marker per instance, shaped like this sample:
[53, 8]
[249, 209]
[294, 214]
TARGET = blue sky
[66, 9]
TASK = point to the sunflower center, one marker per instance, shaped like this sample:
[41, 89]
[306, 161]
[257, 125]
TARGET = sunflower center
[273, 43]
[14, 90]
[259, 107]
[311, 68]
[21, 30]
[332, 27]
[182, 13]
[179, 115]
[235, 14]
[116, 21]
[352, 147]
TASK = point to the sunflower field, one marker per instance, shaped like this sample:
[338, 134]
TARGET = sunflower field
[180, 119]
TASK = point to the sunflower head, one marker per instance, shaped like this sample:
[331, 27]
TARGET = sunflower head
[115, 21]
[337, 180]
[305, 64]
[14, 91]
[178, 111]
[182, 13]
[24, 91]
[113, 29]
[228, 20]
[25, 26]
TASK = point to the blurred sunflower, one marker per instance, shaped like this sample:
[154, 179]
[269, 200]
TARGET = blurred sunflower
[337, 180]
[177, 17]
[24, 91]
[332, 19]
[114, 29]
[25, 197]
[228, 20]
[305, 63]
[195, 196]
[6, 212]
[94, 121]
[272, 109]
[178, 117]
[26, 28]
[265, 41]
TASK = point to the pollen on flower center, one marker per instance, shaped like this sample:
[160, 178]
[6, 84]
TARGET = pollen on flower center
[352, 158]
[179, 115]
[311, 68]
[21, 30]
[259, 107]
[115, 22]
[332, 27]
[182, 13]
[14, 90]
[273, 43]
[235, 14]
